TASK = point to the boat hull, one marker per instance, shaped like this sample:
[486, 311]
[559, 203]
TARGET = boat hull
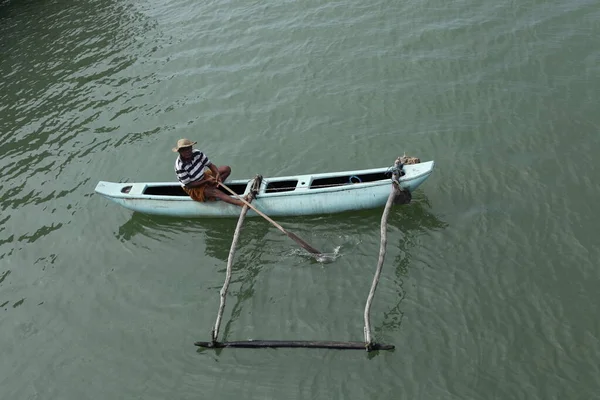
[302, 199]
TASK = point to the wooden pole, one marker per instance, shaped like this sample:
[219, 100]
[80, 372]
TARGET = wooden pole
[390, 201]
[314, 344]
[223, 292]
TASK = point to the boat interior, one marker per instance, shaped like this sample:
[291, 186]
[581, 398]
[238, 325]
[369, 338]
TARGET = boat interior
[349, 180]
[330, 181]
[176, 190]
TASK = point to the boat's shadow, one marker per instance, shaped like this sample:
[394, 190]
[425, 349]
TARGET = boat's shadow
[321, 230]
[217, 232]
[416, 215]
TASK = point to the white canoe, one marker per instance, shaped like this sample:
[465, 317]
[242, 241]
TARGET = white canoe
[323, 193]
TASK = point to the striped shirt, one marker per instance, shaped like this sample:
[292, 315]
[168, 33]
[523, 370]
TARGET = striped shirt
[192, 170]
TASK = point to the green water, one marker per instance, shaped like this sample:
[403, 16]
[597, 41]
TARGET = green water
[490, 285]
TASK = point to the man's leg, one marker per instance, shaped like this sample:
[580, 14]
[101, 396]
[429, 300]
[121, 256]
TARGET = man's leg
[224, 171]
[213, 191]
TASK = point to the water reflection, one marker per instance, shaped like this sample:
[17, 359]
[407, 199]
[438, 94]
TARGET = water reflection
[413, 221]
[4, 275]
[151, 226]
[219, 232]
[325, 231]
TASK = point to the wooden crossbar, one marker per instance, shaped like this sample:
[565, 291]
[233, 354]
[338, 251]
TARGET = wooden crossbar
[315, 344]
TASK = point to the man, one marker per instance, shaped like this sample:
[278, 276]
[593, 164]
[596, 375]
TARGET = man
[200, 183]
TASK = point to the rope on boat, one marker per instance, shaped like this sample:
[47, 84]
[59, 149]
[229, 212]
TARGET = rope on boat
[236, 235]
[409, 160]
[398, 194]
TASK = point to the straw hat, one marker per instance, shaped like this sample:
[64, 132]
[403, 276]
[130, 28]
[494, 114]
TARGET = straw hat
[183, 143]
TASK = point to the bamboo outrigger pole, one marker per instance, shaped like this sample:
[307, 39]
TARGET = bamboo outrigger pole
[236, 235]
[394, 194]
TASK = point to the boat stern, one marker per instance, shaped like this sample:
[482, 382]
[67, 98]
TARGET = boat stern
[112, 190]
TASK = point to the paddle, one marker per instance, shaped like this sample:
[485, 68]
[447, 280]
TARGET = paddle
[292, 236]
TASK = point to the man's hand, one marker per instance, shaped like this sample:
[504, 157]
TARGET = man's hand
[215, 180]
